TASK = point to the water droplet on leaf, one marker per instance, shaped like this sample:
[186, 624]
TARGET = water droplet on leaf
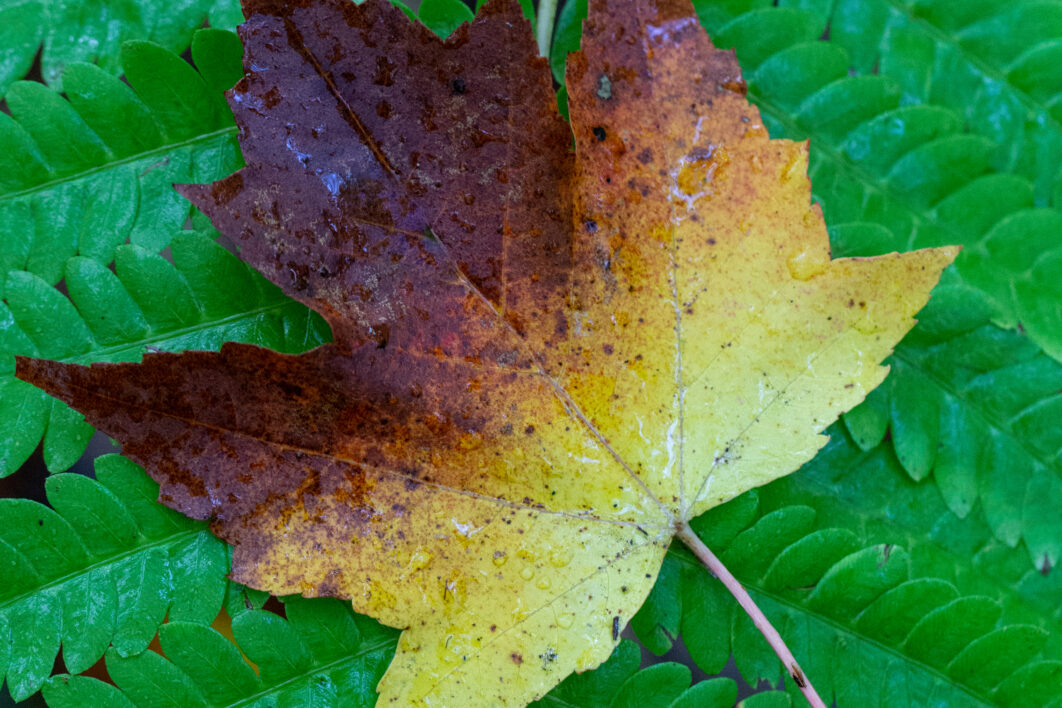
[560, 557]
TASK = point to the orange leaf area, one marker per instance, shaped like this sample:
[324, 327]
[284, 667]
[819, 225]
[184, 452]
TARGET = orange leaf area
[544, 361]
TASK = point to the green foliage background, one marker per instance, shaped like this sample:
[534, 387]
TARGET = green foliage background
[912, 563]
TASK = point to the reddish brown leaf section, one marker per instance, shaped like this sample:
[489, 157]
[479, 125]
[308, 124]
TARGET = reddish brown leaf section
[375, 152]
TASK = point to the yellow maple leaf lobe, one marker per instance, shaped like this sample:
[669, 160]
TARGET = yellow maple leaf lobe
[706, 303]
[544, 363]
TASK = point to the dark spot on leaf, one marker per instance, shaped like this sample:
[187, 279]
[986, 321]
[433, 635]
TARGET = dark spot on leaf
[600, 133]
[384, 67]
[457, 86]
[736, 84]
[298, 273]
[381, 334]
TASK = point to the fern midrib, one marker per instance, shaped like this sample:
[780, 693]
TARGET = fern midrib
[983, 67]
[838, 627]
[159, 151]
[277, 688]
[109, 560]
[990, 420]
[94, 355]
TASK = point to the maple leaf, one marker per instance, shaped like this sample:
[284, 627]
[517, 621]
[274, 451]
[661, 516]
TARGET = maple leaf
[544, 362]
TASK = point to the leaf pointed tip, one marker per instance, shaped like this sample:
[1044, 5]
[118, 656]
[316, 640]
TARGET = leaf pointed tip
[28, 369]
[45, 375]
[949, 252]
[191, 192]
[939, 259]
[205, 196]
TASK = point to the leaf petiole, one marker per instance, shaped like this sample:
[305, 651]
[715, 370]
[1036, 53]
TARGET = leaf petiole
[716, 568]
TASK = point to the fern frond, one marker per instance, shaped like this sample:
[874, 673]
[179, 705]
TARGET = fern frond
[332, 657]
[992, 65]
[996, 68]
[977, 407]
[321, 654]
[937, 186]
[912, 168]
[868, 493]
[83, 174]
[668, 684]
[93, 32]
[203, 299]
[101, 568]
[985, 453]
[873, 609]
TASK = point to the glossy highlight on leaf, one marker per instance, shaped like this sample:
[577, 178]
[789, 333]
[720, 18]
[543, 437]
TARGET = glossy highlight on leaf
[544, 363]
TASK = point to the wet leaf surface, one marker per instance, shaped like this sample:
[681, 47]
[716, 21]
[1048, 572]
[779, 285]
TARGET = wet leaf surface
[544, 361]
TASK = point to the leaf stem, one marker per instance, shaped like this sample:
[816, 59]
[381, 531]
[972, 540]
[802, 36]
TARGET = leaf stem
[716, 568]
[547, 15]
